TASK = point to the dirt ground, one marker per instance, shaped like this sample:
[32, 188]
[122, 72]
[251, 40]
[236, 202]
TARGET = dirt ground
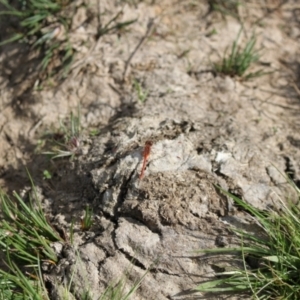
[206, 129]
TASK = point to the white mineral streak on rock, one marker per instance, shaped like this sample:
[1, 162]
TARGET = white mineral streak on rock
[256, 188]
[175, 156]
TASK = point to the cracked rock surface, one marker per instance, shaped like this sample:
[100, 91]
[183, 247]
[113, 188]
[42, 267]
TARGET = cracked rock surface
[155, 222]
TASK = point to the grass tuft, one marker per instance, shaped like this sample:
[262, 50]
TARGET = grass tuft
[25, 241]
[42, 25]
[25, 232]
[240, 60]
[26, 238]
[225, 7]
[271, 264]
[66, 142]
[46, 25]
[141, 93]
[87, 220]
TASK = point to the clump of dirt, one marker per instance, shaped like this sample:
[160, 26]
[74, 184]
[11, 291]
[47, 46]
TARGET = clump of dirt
[206, 129]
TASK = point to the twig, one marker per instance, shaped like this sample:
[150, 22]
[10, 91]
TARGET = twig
[148, 32]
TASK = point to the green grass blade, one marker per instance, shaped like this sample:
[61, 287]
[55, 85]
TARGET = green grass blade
[15, 37]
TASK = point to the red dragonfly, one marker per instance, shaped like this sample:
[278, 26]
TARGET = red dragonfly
[146, 154]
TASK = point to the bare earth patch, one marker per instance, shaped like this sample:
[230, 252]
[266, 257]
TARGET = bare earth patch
[207, 129]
